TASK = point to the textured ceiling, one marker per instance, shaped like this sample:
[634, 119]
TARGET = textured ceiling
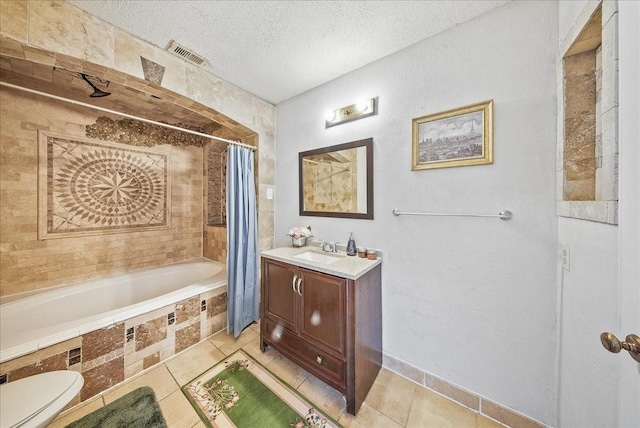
[279, 49]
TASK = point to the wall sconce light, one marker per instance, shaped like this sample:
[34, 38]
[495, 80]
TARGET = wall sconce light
[363, 108]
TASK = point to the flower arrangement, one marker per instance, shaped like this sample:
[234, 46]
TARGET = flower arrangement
[299, 235]
[300, 232]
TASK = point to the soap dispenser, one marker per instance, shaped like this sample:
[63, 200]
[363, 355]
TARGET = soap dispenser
[351, 246]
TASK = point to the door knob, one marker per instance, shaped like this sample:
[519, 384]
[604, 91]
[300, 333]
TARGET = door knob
[630, 344]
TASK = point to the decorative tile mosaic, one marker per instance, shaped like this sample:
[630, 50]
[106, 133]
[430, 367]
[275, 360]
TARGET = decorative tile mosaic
[216, 187]
[89, 187]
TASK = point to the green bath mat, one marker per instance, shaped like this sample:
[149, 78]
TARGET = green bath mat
[137, 409]
[240, 392]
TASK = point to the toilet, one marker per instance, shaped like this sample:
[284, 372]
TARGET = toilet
[35, 401]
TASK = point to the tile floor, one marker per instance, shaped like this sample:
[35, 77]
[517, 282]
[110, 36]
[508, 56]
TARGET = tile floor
[393, 401]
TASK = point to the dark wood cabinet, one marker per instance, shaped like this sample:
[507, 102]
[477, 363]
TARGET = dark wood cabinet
[328, 325]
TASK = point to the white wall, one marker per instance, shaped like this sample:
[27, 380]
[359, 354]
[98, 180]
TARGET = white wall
[470, 300]
[588, 374]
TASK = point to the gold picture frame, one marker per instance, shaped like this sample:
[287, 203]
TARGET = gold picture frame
[458, 137]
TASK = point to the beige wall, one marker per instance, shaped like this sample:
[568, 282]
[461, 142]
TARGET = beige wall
[28, 264]
[57, 33]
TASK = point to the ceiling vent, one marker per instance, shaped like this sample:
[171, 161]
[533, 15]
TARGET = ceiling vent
[177, 49]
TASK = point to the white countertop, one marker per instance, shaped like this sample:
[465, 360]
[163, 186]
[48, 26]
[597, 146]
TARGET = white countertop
[350, 267]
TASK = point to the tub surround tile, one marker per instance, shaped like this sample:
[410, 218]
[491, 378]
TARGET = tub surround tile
[187, 309]
[70, 260]
[216, 305]
[55, 362]
[211, 326]
[103, 342]
[151, 360]
[90, 364]
[187, 336]
[150, 332]
[37, 357]
[132, 369]
[102, 377]
[215, 243]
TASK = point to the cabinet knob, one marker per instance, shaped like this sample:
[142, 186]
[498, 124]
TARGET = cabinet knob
[319, 359]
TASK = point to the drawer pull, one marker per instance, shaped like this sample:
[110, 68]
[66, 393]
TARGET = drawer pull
[319, 359]
[293, 283]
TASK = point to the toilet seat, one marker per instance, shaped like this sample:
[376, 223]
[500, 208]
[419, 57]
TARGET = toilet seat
[37, 399]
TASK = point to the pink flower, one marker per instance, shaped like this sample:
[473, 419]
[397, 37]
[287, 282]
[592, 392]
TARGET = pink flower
[298, 232]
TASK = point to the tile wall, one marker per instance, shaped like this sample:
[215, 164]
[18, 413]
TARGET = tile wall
[216, 187]
[113, 354]
[45, 34]
[215, 243]
[28, 264]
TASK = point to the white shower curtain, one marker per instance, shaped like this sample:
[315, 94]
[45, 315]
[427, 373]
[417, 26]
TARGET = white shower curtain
[242, 241]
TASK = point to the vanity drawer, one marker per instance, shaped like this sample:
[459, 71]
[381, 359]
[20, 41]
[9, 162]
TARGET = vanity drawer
[318, 362]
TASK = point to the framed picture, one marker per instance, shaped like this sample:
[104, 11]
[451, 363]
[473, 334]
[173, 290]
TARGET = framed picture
[459, 137]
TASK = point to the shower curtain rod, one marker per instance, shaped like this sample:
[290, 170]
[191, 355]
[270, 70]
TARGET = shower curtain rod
[130, 116]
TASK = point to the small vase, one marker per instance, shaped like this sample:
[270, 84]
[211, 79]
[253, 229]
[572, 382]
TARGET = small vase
[298, 242]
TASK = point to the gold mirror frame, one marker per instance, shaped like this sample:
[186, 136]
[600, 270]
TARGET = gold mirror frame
[327, 189]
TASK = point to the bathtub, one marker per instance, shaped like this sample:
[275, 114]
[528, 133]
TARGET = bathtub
[51, 317]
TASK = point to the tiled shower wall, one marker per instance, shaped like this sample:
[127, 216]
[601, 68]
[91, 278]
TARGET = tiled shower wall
[113, 354]
[28, 264]
[46, 32]
[215, 243]
[216, 187]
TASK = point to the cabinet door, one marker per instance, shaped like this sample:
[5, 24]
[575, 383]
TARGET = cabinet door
[322, 312]
[280, 297]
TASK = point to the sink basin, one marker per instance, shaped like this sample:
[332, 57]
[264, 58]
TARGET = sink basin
[326, 259]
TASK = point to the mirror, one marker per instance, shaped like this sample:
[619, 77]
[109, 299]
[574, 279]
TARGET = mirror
[337, 181]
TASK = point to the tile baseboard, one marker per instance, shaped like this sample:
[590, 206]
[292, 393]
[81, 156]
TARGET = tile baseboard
[475, 402]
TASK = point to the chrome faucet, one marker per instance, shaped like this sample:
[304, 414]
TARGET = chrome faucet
[329, 247]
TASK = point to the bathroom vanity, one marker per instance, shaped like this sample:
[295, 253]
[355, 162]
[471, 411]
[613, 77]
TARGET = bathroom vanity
[323, 311]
